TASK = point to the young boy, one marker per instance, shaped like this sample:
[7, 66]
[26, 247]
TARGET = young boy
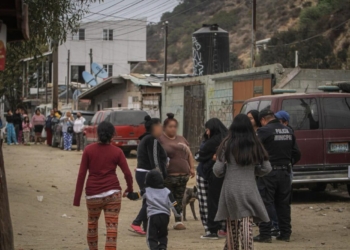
[159, 201]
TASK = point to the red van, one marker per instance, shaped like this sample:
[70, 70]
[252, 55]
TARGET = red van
[128, 126]
[321, 122]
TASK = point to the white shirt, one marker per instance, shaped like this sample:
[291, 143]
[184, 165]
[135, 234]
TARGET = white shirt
[79, 125]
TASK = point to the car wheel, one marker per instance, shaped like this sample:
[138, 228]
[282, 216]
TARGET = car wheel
[318, 187]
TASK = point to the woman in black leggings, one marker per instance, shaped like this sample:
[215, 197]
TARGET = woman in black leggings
[150, 155]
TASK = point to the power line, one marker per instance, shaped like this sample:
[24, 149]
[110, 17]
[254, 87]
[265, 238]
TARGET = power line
[147, 11]
[108, 7]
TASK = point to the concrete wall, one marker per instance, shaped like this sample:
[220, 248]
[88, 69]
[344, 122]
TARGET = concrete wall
[129, 44]
[313, 78]
[218, 89]
[117, 94]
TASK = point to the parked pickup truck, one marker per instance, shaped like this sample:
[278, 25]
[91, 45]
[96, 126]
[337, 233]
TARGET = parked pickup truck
[128, 126]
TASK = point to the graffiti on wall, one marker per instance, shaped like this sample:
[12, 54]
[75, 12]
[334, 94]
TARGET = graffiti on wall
[221, 107]
[197, 58]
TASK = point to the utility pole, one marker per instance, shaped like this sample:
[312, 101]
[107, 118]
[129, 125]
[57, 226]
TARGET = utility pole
[253, 33]
[43, 79]
[68, 79]
[55, 76]
[90, 60]
[23, 79]
[46, 76]
[37, 81]
[165, 50]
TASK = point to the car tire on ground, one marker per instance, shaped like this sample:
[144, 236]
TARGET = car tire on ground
[318, 187]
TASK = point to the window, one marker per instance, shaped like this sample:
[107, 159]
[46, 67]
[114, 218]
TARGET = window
[135, 99]
[76, 73]
[107, 35]
[266, 104]
[336, 113]
[303, 113]
[127, 117]
[109, 69]
[249, 106]
[107, 104]
[80, 35]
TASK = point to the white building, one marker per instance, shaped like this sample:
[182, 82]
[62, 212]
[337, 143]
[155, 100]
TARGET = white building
[114, 44]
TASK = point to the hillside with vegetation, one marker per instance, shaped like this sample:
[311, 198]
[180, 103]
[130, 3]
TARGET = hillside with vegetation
[318, 29]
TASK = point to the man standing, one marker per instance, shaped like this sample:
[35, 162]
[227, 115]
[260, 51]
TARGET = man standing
[78, 130]
[275, 188]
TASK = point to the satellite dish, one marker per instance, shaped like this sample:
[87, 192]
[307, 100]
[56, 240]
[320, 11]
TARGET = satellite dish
[99, 71]
[89, 79]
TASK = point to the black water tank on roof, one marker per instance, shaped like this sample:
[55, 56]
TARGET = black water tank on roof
[211, 50]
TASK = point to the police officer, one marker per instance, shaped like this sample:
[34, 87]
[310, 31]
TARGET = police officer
[275, 188]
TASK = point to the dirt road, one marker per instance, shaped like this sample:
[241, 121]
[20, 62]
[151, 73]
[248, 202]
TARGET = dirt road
[320, 220]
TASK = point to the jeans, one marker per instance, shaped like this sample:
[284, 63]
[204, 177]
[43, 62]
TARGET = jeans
[275, 189]
[141, 218]
[11, 134]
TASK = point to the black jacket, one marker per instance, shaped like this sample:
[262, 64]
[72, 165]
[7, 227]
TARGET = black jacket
[17, 121]
[280, 143]
[151, 155]
[9, 118]
[206, 153]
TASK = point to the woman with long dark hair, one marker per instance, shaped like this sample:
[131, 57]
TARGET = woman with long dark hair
[103, 191]
[253, 116]
[240, 158]
[150, 155]
[208, 185]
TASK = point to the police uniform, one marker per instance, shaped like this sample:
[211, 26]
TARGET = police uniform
[275, 188]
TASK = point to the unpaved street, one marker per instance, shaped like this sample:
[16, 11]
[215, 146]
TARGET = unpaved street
[320, 220]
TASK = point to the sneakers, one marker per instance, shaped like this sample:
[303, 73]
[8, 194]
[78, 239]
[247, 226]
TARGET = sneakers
[275, 232]
[222, 234]
[179, 226]
[212, 236]
[262, 239]
[283, 238]
[137, 229]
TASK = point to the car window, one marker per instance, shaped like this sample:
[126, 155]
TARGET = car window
[336, 113]
[127, 117]
[249, 106]
[265, 104]
[303, 113]
[94, 119]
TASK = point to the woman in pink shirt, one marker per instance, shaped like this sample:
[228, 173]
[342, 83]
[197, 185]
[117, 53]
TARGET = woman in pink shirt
[38, 121]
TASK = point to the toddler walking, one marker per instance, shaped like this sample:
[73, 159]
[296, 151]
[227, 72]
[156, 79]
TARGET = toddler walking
[159, 201]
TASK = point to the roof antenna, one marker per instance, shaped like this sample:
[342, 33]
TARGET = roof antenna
[307, 87]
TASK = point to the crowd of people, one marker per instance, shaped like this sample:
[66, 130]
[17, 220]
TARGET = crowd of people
[21, 129]
[244, 177]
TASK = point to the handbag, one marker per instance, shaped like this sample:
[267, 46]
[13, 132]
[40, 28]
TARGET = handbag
[43, 134]
[70, 129]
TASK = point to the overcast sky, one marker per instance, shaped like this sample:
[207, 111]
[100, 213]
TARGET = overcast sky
[121, 9]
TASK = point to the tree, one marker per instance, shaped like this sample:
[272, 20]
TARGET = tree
[50, 20]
